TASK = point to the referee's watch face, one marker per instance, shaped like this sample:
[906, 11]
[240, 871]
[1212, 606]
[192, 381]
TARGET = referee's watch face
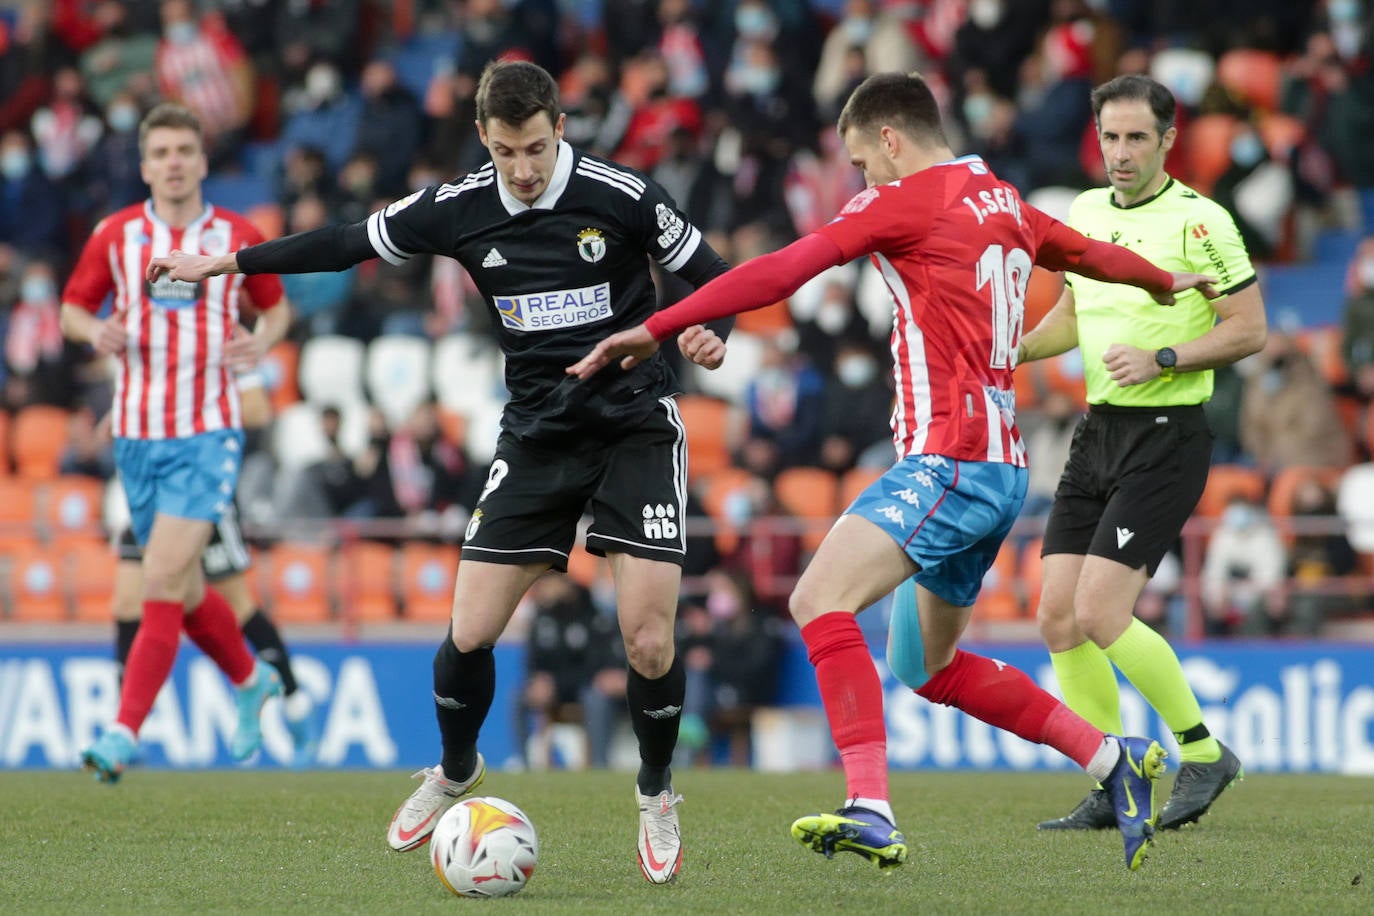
[524, 154]
[1133, 149]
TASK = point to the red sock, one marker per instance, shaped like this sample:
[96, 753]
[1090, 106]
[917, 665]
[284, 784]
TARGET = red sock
[151, 657]
[853, 699]
[213, 628]
[1005, 697]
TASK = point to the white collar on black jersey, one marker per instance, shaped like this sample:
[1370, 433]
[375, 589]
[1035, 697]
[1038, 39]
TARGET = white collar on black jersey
[558, 183]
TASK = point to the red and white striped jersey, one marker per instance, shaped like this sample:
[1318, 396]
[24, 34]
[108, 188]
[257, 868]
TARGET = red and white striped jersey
[955, 246]
[200, 75]
[172, 380]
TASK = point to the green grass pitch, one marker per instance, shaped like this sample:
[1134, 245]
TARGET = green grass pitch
[270, 842]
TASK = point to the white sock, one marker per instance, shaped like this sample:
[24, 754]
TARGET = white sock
[1104, 760]
[297, 706]
[876, 805]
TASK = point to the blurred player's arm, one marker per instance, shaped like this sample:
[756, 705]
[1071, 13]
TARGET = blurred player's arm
[334, 247]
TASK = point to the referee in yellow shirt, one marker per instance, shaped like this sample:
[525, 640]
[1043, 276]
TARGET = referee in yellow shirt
[1139, 458]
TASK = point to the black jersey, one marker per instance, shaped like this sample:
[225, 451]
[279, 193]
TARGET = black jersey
[558, 277]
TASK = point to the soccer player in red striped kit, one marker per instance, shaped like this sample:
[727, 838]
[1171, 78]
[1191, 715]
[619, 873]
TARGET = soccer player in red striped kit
[955, 246]
[176, 416]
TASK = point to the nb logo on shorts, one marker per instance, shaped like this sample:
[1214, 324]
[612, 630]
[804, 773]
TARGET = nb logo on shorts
[659, 522]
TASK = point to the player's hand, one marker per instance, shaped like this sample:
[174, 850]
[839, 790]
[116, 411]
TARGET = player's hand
[192, 268]
[111, 338]
[1130, 365]
[702, 346]
[1203, 283]
[634, 346]
[244, 350]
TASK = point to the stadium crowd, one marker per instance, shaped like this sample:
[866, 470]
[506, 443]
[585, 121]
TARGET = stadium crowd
[389, 388]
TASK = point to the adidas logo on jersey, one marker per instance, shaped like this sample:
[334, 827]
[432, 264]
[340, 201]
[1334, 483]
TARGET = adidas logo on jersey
[493, 259]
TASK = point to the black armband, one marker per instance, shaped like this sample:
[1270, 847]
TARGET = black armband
[336, 247]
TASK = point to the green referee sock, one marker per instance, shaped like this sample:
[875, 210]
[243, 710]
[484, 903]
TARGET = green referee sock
[1088, 683]
[1149, 663]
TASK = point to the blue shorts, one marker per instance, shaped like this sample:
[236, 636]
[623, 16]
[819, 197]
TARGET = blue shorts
[949, 516]
[186, 478]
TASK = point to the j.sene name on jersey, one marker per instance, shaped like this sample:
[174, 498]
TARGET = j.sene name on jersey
[556, 308]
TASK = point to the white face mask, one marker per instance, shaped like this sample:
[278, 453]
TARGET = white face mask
[181, 33]
[856, 371]
[37, 289]
[122, 117]
[15, 164]
[1366, 272]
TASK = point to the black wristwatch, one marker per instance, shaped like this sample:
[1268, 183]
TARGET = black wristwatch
[1167, 359]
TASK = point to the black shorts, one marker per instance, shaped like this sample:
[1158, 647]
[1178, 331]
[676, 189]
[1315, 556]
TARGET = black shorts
[225, 555]
[1133, 478]
[634, 486]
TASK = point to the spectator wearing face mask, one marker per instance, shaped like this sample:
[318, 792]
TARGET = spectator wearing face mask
[32, 208]
[784, 403]
[114, 178]
[202, 66]
[325, 116]
[858, 403]
[1357, 321]
[121, 60]
[41, 362]
[1288, 413]
[1243, 573]
[389, 126]
[881, 41]
[1258, 191]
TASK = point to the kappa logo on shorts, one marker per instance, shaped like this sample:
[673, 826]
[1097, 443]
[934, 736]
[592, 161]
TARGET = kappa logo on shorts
[894, 515]
[908, 496]
[659, 522]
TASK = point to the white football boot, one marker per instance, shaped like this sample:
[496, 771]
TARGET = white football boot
[660, 839]
[415, 820]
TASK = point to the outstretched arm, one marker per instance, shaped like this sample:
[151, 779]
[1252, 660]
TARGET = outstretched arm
[336, 247]
[1063, 248]
[759, 282]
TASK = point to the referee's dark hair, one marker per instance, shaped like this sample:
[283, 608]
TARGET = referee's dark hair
[899, 100]
[513, 91]
[1140, 88]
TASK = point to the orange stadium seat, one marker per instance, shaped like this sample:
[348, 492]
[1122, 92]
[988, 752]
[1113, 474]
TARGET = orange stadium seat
[4, 442]
[853, 482]
[279, 366]
[18, 513]
[1251, 75]
[1285, 485]
[1281, 133]
[714, 492]
[367, 582]
[90, 580]
[267, 218]
[707, 421]
[298, 583]
[427, 574]
[998, 600]
[585, 568]
[35, 585]
[71, 512]
[810, 494]
[1207, 144]
[1225, 482]
[38, 438]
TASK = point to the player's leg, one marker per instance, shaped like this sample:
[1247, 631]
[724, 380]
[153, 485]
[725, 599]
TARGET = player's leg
[655, 691]
[485, 596]
[856, 564]
[126, 597]
[525, 522]
[1086, 679]
[226, 562]
[1148, 508]
[637, 523]
[1005, 697]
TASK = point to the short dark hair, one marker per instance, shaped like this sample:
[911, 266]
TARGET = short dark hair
[168, 114]
[900, 100]
[514, 91]
[1137, 88]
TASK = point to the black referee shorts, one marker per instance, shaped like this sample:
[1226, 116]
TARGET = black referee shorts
[1133, 478]
[225, 555]
[635, 489]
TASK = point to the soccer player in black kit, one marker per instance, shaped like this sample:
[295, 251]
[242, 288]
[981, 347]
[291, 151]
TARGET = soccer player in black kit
[556, 240]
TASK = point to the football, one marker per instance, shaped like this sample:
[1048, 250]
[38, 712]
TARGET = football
[484, 847]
